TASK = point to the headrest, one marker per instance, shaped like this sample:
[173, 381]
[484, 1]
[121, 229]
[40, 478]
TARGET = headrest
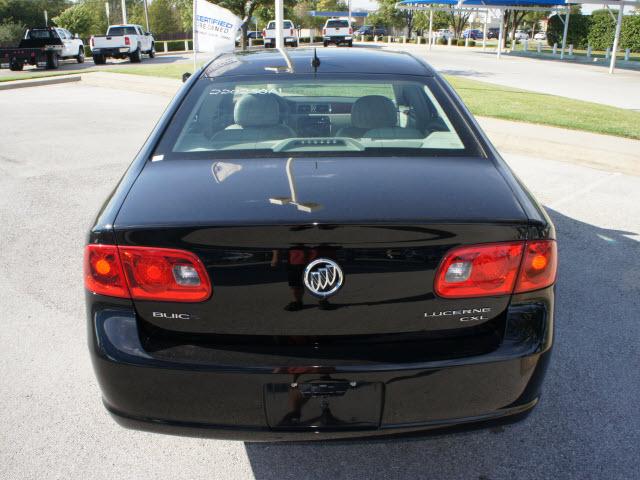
[257, 110]
[374, 111]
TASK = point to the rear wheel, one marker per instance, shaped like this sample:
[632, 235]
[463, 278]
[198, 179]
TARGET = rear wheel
[152, 52]
[351, 43]
[99, 59]
[135, 57]
[16, 66]
[53, 60]
[80, 57]
[294, 44]
[325, 43]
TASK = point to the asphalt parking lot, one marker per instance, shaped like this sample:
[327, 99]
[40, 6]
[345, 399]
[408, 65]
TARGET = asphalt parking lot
[63, 148]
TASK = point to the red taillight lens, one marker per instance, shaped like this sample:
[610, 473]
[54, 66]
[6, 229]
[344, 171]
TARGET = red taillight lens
[146, 273]
[539, 266]
[291, 31]
[164, 274]
[103, 272]
[497, 269]
[127, 41]
[92, 42]
[324, 31]
[479, 270]
[350, 31]
[264, 33]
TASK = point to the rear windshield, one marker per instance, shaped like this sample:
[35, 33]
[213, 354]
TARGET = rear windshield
[119, 31]
[285, 24]
[315, 116]
[41, 34]
[337, 23]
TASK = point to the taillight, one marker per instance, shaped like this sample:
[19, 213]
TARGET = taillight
[496, 269]
[539, 266]
[147, 273]
[92, 42]
[350, 31]
[324, 31]
[264, 33]
[291, 31]
[103, 272]
[127, 41]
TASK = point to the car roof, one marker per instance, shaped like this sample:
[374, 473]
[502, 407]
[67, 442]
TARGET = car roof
[334, 60]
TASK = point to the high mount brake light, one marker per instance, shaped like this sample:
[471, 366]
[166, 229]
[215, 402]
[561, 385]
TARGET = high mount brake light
[146, 273]
[496, 269]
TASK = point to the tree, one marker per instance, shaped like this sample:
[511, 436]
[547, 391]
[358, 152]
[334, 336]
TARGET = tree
[421, 21]
[458, 19]
[387, 15]
[30, 12]
[164, 17]
[77, 19]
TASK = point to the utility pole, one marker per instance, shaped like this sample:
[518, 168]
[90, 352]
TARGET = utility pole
[106, 8]
[124, 11]
[146, 14]
[279, 4]
[46, 19]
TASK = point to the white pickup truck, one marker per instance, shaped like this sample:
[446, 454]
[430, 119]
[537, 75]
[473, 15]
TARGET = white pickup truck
[337, 31]
[122, 41]
[289, 33]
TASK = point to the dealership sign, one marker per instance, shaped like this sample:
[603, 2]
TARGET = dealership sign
[214, 27]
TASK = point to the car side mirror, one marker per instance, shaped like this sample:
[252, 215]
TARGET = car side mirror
[185, 76]
[147, 33]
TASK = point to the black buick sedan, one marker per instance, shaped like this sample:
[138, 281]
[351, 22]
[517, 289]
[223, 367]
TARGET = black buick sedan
[319, 247]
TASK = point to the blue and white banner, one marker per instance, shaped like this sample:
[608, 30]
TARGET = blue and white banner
[214, 28]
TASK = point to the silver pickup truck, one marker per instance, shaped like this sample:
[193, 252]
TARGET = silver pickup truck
[122, 41]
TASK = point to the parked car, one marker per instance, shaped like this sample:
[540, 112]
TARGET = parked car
[254, 34]
[493, 32]
[371, 30]
[43, 47]
[443, 33]
[338, 32]
[292, 257]
[122, 41]
[521, 35]
[540, 36]
[473, 34]
[289, 32]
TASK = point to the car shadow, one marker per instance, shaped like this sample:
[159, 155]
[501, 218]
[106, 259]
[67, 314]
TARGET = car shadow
[583, 425]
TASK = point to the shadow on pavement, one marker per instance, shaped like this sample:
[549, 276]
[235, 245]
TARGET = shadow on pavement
[587, 424]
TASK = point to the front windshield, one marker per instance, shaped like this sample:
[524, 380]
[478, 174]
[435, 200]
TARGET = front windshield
[314, 116]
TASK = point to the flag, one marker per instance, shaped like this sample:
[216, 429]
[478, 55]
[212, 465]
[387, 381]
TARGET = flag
[214, 28]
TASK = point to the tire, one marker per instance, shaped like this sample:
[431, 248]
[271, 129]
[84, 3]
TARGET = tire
[152, 52]
[294, 44]
[53, 61]
[350, 43]
[325, 43]
[135, 57]
[16, 66]
[80, 57]
[99, 59]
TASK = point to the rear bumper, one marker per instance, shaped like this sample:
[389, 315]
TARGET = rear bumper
[112, 52]
[338, 39]
[219, 399]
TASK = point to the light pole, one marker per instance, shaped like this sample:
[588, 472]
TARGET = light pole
[124, 11]
[146, 14]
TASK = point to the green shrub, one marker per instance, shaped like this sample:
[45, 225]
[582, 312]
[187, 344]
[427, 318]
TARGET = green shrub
[601, 31]
[260, 41]
[368, 38]
[630, 36]
[460, 42]
[442, 41]
[10, 33]
[578, 33]
[87, 51]
[472, 43]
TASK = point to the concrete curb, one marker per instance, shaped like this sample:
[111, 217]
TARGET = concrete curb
[38, 82]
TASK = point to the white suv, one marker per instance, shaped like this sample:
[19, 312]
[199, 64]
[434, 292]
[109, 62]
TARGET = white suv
[289, 32]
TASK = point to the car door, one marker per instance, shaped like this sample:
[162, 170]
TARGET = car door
[144, 39]
[66, 42]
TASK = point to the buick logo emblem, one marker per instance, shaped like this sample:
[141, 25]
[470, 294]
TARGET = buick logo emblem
[323, 277]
